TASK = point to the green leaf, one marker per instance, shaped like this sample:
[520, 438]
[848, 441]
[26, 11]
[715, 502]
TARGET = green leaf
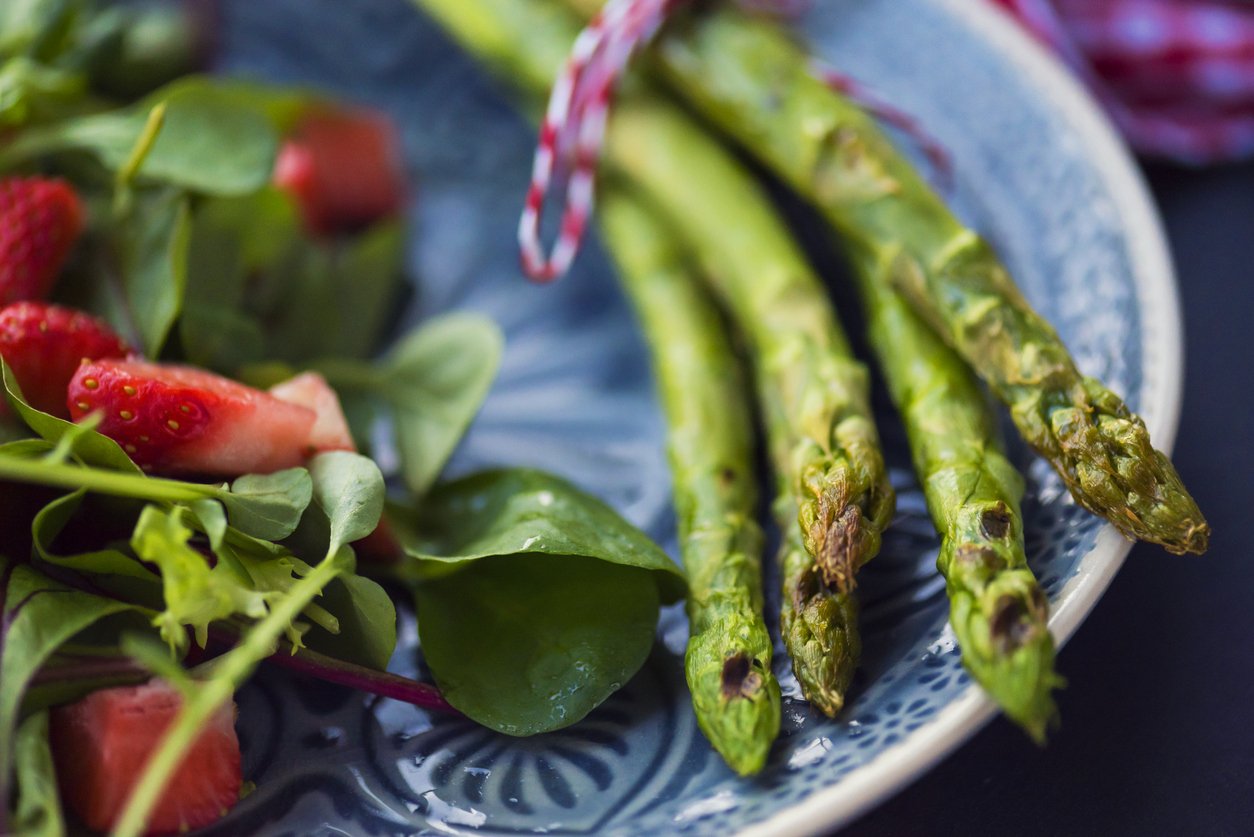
[32, 26]
[367, 623]
[521, 511]
[155, 265]
[195, 593]
[349, 489]
[38, 803]
[211, 142]
[535, 600]
[433, 382]
[39, 615]
[269, 506]
[89, 447]
[367, 270]
[52, 520]
[526, 644]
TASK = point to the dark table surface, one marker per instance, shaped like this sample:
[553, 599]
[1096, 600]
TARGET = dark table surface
[1157, 729]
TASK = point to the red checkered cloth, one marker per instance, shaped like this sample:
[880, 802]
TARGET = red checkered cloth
[1177, 76]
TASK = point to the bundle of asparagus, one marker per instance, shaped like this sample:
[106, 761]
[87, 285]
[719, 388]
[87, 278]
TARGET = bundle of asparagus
[754, 83]
[751, 79]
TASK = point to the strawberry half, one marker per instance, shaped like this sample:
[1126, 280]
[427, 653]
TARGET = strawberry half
[343, 168]
[178, 419]
[101, 743]
[44, 344]
[40, 219]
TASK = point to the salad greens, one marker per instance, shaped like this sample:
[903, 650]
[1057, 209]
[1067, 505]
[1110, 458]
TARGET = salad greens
[489, 543]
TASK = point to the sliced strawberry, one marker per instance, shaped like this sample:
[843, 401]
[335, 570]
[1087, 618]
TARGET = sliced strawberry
[344, 168]
[44, 344]
[40, 219]
[178, 419]
[101, 743]
[330, 430]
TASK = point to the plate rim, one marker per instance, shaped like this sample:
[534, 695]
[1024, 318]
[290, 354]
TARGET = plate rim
[1163, 348]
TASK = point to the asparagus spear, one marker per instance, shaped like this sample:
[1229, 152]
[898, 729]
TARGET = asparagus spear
[814, 393]
[728, 661]
[753, 81]
[997, 610]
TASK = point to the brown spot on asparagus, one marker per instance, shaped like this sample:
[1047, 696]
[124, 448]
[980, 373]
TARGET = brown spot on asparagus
[741, 677]
[995, 522]
[1010, 626]
[837, 535]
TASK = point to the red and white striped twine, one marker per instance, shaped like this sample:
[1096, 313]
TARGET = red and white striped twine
[573, 129]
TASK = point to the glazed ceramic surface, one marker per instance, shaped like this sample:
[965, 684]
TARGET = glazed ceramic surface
[1037, 171]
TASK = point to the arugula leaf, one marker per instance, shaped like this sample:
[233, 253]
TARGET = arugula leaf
[433, 382]
[51, 522]
[38, 803]
[155, 246]
[31, 27]
[526, 644]
[535, 601]
[211, 142]
[38, 616]
[31, 91]
[368, 269]
[195, 592]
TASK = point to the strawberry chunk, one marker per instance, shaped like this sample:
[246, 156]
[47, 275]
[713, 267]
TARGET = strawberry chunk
[330, 430]
[178, 419]
[44, 344]
[343, 168]
[101, 743]
[40, 219]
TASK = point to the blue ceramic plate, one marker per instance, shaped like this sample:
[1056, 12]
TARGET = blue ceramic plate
[1038, 171]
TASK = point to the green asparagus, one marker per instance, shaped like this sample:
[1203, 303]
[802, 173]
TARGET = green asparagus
[728, 661]
[813, 392]
[749, 78]
[997, 610]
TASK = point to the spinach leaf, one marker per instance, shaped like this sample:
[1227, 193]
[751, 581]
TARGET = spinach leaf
[535, 601]
[433, 383]
[38, 803]
[38, 616]
[268, 506]
[523, 511]
[211, 142]
[349, 489]
[526, 644]
[367, 623]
